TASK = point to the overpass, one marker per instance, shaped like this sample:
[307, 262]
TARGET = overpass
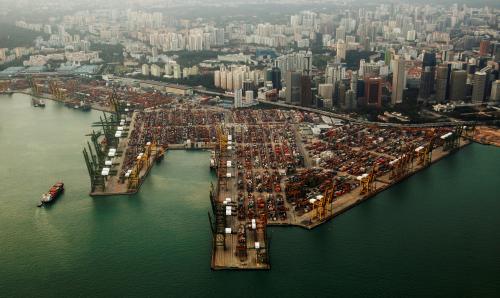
[204, 91]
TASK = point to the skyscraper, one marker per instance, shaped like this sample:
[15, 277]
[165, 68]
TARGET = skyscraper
[458, 85]
[426, 84]
[340, 33]
[398, 81]
[341, 49]
[484, 47]
[306, 98]
[495, 91]
[479, 86]
[276, 78]
[429, 60]
[325, 91]
[238, 98]
[350, 100]
[373, 91]
[249, 96]
[293, 84]
[441, 83]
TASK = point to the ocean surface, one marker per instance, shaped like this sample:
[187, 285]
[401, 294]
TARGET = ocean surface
[435, 234]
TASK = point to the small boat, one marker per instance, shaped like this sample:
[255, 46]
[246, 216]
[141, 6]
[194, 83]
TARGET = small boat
[54, 192]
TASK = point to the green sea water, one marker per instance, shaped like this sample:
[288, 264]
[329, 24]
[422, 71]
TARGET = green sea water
[435, 234]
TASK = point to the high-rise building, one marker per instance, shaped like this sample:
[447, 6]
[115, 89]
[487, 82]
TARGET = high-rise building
[325, 91]
[276, 78]
[293, 86]
[145, 70]
[354, 83]
[373, 91]
[479, 86]
[340, 33]
[398, 81]
[297, 61]
[155, 70]
[219, 36]
[484, 47]
[429, 60]
[216, 78]
[223, 79]
[495, 91]
[177, 71]
[442, 83]
[458, 83]
[248, 85]
[238, 98]
[426, 83]
[306, 97]
[411, 35]
[249, 96]
[350, 100]
[341, 49]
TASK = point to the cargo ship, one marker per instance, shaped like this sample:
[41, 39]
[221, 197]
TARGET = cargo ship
[54, 192]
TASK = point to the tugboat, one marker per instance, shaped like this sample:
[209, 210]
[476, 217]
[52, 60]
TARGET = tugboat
[36, 102]
[160, 155]
[84, 106]
[213, 162]
[54, 192]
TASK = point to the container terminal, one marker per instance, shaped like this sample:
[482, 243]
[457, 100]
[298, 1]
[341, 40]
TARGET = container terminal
[276, 166]
[273, 166]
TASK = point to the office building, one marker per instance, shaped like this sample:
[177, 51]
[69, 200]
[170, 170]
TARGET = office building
[458, 83]
[145, 70]
[156, 70]
[325, 91]
[306, 97]
[249, 96]
[373, 91]
[495, 91]
[341, 49]
[293, 86]
[276, 78]
[479, 86]
[238, 98]
[426, 84]
[484, 47]
[398, 81]
[442, 83]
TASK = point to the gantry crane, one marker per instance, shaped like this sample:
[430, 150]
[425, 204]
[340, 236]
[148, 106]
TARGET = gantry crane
[56, 91]
[452, 139]
[424, 153]
[323, 202]
[142, 160]
[221, 151]
[402, 165]
[368, 182]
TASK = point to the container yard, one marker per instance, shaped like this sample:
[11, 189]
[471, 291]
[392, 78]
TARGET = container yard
[274, 167]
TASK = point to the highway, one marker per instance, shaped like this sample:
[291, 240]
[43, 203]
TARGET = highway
[353, 120]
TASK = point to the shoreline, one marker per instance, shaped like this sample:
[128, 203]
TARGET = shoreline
[364, 198]
[49, 97]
